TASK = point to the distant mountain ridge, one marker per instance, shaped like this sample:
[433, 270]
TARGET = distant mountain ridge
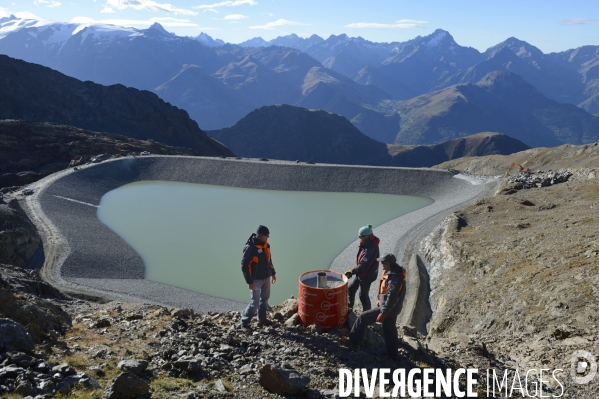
[476, 145]
[292, 133]
[500, 102]
[291, 41]
[38, 94]
[219, 83]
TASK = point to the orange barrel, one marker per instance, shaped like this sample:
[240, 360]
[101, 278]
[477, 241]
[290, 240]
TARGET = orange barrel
[326, 306]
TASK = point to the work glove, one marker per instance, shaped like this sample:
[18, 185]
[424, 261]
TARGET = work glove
[380, 318]
[349, 273]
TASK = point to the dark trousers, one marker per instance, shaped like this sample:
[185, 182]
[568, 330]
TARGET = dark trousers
[364, 287]
[389, 330]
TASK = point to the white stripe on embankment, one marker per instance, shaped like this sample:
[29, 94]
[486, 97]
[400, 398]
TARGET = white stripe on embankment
[74, 200]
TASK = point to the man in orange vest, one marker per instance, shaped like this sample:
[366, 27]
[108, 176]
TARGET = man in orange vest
[258, 271]
[389, 303]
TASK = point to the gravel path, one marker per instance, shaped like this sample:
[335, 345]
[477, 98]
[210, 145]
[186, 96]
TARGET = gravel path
[85, 258]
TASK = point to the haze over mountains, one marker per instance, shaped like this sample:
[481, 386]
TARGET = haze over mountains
[499, 102]
[38, 94]
[292, 133]
[422, 91]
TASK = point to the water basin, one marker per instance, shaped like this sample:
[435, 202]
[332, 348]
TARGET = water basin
[192, 235]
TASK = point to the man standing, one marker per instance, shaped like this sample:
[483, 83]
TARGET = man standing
[366, 268]
[389, 303]
[258, 272]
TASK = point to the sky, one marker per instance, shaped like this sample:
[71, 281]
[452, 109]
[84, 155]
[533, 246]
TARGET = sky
[550, 25]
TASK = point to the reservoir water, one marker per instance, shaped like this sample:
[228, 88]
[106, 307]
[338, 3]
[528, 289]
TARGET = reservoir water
[192, 235]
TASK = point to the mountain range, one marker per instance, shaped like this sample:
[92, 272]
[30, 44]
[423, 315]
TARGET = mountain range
[292, 133]
[368, 83]
[35, 93]
[432, 62]
[499, 102]
[61, 118]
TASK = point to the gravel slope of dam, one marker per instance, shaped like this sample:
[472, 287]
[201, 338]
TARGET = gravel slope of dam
[84, 257]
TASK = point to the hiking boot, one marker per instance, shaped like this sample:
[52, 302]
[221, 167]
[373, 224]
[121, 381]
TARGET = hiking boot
[267, 323]
[344, 340]
[245, 326]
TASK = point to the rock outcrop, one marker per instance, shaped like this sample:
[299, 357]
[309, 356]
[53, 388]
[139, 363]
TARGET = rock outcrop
[14, 337]
[19, 240]
[32, 150]
[516, 274]
[282, 381]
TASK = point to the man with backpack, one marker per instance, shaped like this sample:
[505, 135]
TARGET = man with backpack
[389, 304]
[258, 271]
[366, 269]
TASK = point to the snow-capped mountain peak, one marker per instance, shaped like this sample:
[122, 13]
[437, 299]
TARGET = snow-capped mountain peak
[52, 32]
[9, 18]
[439, 39]
[156, 27]
[207, 40]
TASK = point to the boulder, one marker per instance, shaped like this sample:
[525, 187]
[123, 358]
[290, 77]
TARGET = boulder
[182, 313]
[315, 329]
[280, 381]
[21, 359]
[188, 363]
[64, 368]
[25, 388]
[127, 386]
[82, 379]
[47, 387]
[288, 308]
[13, 337]
[219, 386]
[100, 323]
[294, 320]
[11, 372]
[134, 366]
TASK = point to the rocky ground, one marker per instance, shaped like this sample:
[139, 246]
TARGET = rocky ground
[513, 287]
[32, 150]
[113, 349]
[518, 273]
[542, 158]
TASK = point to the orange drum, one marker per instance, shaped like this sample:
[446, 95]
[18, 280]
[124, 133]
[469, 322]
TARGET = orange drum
[323, 299]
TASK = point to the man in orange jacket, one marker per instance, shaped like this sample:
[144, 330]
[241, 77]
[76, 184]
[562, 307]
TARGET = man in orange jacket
[389, 303]
[259, 272]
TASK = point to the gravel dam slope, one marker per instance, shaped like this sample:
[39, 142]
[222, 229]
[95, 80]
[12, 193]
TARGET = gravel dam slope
[83, 257]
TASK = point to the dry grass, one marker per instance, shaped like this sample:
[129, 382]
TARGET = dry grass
[167, 387]
[117, 338]
[82, 394]
[526, 269]
[228, 385]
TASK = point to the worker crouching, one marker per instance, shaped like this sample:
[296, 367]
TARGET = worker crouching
[389, 304]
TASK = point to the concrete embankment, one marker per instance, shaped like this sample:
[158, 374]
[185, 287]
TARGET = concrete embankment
[82, 256]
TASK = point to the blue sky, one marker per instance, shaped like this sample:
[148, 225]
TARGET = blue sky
[550, 25]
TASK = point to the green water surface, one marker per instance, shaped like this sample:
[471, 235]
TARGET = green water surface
[192, 235]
